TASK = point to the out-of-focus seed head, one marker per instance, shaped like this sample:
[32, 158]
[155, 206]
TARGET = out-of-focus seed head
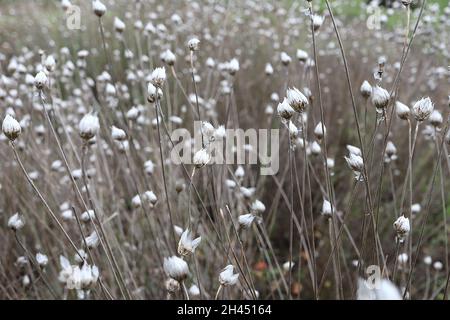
[436, 118]
[16, 222]
[402, 227]
[380, 97]
[402, 110]
[285, 111]
[99, 8]
[89, 126]
[193, 44]
[158, 77]
[201, 158]
[319, 131]
[119, 25]
[296, 99]
[366, 89]
[40, 80]
[11, 128]
[118, 134]
[176, 268]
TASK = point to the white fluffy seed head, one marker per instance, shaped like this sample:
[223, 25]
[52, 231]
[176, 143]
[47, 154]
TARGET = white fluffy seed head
[284, 110]
[193, 44]
[89, 126]
[40, 80]
[402, 110]
[41, 259]
[285, 58]
[320, 130]
[380, 97]
[50, 63]
[201, 158]
[16, 222]
[366, 89]
[355, 162]
[317, 22]
[268, 69]
[119, 25]
[436, 118]
[227, 277]
[402, 227]
[302, 55]
[187, 244]
[118, 134]
[99, 8]
[296, 99]
[176, 268]
[422, 109]
[11, 128]
[428, 260]
[158, 77]
[245, 220]
[168, 57]
[326, 209]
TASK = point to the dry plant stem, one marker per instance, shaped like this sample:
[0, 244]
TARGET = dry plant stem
[157, 113]
[291, 221]
[172, 69]
[36, 266]
[218, 292]
[105, 244]
[366, 182]
[185, 291]
[196, 95]
[327, 171]
[104, 290]
[50, 211]
[422, 229]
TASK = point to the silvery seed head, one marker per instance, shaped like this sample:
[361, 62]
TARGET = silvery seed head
[187, 244]
[436, 118]
[119, 25]
[99, 8]
[296, 99]
[11, 128]
[40, 80]
[245, 220]
[201, 158]
[380, 97]
[118, 134]
[227, 277]
[402, 227]
[158, 77]
[422, 109]
[89, 126]
[285, 111]
[16, 222]
[366, 89]
[402, 110]
[193, 44]
[176, 268]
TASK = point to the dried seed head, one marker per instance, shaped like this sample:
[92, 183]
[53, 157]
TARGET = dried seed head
[40, 80]
[284, 110]
[41, 259]
[327, 210]
[89, 126]
[118, 134]
[258, 206]
[402, 110]
[355, 162]
[50, 63]
[245, 220]
[319, 131]
[119, 25]
[187, 245]
[269, 69]
[227, 277]
[16, 222]
[296, 99]
[11, 128]
[317, 22]
[193, 44]
[366, 89]
[402, 227]
[302, 55]
[176, 268]
[168, 57]
[201, 158]
[285, 58]
[380, 97]
[158, 77]
[422, 109]
[436, 118]
[99, 8]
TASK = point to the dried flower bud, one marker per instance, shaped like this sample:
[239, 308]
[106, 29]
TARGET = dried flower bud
[302, 55]
[40, 80]
[193, 44]
[16, 222]
[11, 128]
[319, 131]
[201, 158]
[118, 134]
[402, 110]
[187, 244]
[380, 97]
[119, 25]
[296, 99]
[99, 8]
[366, 89]
[89, 126]
[436, 118]
[245, 220]
[176, 268]
[401, 227]
[227, 277]
[158, 77]
[172, 286]
[284, 110]
[422, 109]
[327, 210]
